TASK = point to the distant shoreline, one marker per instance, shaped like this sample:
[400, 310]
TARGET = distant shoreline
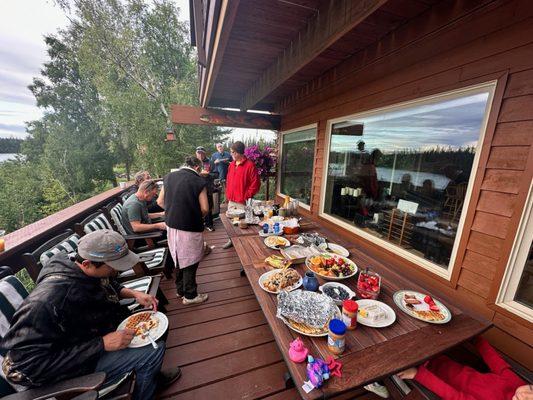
[7, 156]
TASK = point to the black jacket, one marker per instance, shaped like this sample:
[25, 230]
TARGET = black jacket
[57, 331]
[182, 207]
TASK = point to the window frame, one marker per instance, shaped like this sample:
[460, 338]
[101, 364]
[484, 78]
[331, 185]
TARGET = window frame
[516, 264]
[278, 185]
[446, 274]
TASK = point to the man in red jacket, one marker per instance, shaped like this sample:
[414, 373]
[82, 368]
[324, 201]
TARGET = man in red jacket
[242, 181]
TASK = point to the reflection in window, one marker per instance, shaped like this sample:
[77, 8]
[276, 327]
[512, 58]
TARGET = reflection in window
[524, 292]
[297, 159]
[402, 174]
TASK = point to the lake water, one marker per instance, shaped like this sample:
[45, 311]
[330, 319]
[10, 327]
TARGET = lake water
[7, 156]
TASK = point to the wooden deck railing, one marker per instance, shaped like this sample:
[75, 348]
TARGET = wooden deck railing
[32, 235]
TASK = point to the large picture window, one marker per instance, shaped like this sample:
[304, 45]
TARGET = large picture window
[516, 292]
[402, 174]
[297, 159]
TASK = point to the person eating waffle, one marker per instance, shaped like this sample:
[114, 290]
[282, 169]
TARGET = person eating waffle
[66, 326]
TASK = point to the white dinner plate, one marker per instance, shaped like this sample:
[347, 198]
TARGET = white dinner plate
[263, 234]
[399, 300]
[334, 248]
[289, 288]
[325, 333]
[156, 332]
[286, 243]
[391, 315]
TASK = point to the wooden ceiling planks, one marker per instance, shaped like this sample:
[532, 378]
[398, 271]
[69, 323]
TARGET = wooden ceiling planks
[333, 20]
[263, 29]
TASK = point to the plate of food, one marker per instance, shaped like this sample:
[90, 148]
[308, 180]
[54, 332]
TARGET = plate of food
[375, 314]
[235, 213]
[278, 261]
[277, 280]
[422, 306]
[277, 242]
[307, 313]
[145, 323]
[337, 291]
[334, 248]
[331, 267]
[297, 254]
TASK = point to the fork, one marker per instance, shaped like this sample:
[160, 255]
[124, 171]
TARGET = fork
[152, 341]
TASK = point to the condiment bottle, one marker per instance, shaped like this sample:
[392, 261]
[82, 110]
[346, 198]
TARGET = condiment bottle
[336, 336]
[349, 313]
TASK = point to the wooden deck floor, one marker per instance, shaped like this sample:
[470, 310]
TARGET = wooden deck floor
[224, 346]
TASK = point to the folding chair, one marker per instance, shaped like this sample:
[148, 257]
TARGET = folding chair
[13, 293]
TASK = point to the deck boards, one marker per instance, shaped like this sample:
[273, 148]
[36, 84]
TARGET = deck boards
[224, 346]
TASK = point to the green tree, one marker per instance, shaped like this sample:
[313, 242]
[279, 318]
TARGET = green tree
[10, 145]
[141, 63]
[21, 199]
[67, 142]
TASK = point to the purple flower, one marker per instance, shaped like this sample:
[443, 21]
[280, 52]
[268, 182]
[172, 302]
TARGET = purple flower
[264, 160]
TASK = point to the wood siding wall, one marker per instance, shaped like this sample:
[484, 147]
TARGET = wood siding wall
[454, 45]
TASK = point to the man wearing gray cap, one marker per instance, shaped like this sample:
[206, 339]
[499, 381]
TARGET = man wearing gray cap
[66, 327]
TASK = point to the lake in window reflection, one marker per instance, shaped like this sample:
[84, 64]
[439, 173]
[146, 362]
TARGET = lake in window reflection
[402, 175]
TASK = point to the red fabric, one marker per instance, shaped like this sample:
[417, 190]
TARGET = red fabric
[242, 181]
[453, 381]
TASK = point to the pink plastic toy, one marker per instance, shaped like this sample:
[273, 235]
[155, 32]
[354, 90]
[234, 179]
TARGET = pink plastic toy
[297, 351]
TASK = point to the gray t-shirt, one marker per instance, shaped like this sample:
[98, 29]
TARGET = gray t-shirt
[134, 210]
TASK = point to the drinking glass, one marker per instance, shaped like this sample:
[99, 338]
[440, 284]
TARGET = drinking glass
[295, 204]
[2, 241]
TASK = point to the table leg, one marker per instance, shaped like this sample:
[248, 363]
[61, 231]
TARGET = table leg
[287, 378]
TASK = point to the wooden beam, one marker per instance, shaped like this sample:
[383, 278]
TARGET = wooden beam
[189, 115]
[228, 11]
[332, 21]
[199, 28]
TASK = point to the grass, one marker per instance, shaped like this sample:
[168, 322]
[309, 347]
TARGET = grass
[24, 277]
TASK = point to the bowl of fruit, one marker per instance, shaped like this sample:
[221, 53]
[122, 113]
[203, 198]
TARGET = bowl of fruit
[337, 291]
[368, 285]
[331, 267]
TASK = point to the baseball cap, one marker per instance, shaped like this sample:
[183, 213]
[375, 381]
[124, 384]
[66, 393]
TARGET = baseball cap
[200, 148]
[109, 247]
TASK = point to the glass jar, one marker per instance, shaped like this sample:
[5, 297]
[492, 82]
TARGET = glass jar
[336, 336]
[368, 285]
[349, 313]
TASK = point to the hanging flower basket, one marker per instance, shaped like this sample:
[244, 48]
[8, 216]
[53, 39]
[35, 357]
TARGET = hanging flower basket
[264, 160]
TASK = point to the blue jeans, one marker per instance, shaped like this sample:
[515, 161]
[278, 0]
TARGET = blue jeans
[146, 361]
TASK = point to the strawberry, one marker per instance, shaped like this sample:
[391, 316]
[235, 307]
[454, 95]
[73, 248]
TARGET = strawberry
[433, 307]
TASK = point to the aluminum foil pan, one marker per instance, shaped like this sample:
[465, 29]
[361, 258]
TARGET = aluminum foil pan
[310, 308]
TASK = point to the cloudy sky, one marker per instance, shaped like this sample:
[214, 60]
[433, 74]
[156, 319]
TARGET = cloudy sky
[23, 23]
[453, 123]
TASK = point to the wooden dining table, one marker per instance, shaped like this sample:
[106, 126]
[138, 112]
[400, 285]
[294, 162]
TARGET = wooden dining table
[371, 353]
[234, 230]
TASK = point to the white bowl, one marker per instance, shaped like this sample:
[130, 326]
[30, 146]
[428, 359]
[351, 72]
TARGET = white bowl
[333, 278]
[350, 292]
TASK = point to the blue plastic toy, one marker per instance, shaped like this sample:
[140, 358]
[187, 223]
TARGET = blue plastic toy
[317, 371]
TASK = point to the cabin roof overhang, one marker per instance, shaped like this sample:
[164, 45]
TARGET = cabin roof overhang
[253, 53]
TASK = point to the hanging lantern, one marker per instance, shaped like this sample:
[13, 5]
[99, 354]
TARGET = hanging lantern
[170, 135]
